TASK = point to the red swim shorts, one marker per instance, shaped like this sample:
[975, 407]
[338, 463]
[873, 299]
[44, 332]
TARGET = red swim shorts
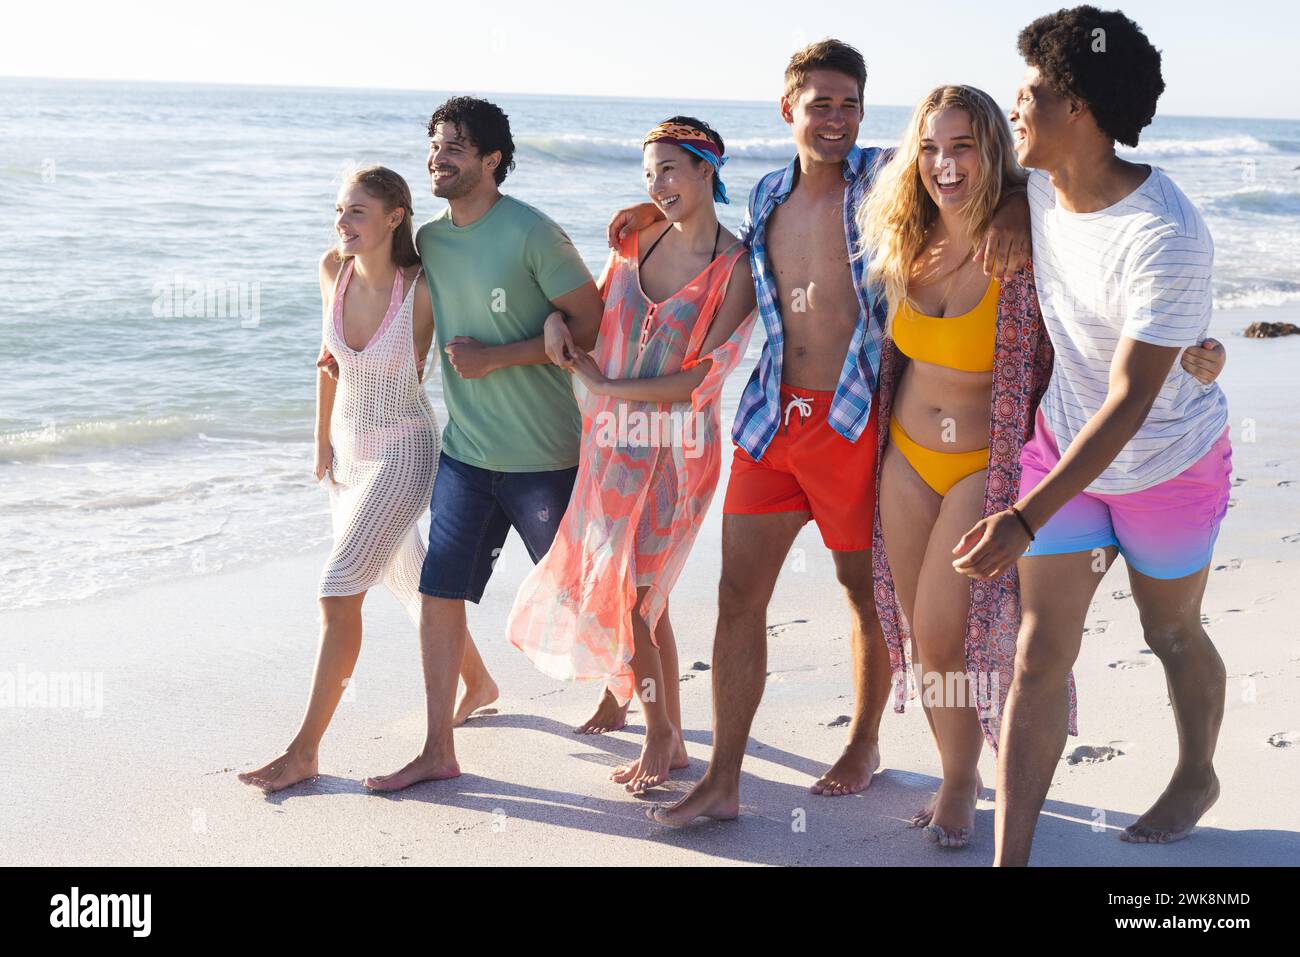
[810, 467]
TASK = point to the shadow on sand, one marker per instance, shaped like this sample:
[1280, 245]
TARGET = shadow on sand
[785, 824]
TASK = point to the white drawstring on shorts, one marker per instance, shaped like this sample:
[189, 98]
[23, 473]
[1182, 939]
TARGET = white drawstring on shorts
[800, 402]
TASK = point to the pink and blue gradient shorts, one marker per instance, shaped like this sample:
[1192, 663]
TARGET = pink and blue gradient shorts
[1166, 531]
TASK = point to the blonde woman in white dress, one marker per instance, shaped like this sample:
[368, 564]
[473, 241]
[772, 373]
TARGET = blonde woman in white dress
[377, 440]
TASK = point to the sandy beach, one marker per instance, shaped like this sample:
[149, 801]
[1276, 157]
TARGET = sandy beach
[206, 675]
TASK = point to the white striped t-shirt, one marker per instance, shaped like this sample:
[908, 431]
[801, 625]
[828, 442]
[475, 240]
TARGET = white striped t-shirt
[1141, 269]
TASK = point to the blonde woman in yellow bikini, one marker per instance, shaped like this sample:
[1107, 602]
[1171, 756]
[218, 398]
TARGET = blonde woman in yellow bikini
[965, 362]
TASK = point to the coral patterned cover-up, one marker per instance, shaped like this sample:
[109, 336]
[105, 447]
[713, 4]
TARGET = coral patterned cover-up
[386, 443]
[646, 476]
[1022, 364]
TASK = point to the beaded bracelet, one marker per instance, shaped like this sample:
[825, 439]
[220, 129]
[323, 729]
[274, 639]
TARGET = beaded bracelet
[1021, 519]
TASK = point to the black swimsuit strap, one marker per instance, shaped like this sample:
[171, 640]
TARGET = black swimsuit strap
[646, 257]
[717, 234]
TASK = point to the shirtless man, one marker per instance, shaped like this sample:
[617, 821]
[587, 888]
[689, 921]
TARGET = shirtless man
[805, 429]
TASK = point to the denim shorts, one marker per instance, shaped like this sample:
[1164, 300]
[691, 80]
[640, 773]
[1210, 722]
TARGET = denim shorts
[472, 511]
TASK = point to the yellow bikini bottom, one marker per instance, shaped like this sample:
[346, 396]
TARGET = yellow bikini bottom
[940, 470]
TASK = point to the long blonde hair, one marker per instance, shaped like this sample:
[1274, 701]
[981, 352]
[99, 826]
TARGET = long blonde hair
[896, 215]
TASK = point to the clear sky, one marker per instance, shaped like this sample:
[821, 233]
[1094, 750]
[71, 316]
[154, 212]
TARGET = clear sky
[1221, 57]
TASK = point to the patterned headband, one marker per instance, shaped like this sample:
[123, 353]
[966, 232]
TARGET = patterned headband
[695, 141]
[682, 134]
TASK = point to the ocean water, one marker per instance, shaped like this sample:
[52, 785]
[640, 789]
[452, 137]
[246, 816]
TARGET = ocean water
[147, 432]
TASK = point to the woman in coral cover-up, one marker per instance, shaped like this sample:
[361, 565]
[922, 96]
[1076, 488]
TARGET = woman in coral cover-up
[679, 310]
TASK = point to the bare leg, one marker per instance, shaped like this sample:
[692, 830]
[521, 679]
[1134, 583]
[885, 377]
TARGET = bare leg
[442, 648]
[753, 550]
[1055, 591]
[925, 815]
[672, 703]
[608, 716]
[480, 689]
[1194, 672]
[871, 680]
[667, 643]
[336, 657]
[662, 737]
[942, 609]
[908, 510]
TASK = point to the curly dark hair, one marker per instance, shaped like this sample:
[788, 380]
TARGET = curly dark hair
[484, 124]
[1116, 72]
[704, 128]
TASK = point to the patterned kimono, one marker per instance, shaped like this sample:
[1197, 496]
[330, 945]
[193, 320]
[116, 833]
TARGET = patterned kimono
[647, 472]
[1022, 364]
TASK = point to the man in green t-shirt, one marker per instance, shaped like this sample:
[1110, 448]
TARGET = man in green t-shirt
[496, 268]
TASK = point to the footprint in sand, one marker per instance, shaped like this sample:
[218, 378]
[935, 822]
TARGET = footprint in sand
[1092, 754]
[700, 666]
[1285, 482]
[840, 722]
[783, 673]
[1124, 664]
[1231, 565]
[1098, 628]
[1120, 595]
[774, 630]
[686, 677]
[1284, 739]
[1237, 481]
[1293, 537]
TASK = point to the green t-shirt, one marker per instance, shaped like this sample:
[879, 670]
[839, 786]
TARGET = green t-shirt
[495, 280]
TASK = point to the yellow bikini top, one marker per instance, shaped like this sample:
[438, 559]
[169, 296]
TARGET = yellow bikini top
[962, 342]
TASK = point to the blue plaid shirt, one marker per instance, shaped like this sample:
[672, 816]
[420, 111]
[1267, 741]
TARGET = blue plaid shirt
[759, 413]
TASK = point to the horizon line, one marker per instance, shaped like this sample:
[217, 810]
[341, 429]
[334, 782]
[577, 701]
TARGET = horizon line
[593, 96]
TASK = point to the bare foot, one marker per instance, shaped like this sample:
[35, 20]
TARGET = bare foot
[286, 770]
[707, 800]
[630, 773]
[479, 696]
[433, 768]
[953, 813]
[609, 716]
[851, 773]
[1176, 811]
[923, 817]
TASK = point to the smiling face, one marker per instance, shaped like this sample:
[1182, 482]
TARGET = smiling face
[676, 182]
[1040, 123]
[456, 169]
[361, 222]
[824, 115]
[949, 160]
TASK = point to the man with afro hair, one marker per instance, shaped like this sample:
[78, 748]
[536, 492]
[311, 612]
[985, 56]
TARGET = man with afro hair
[1130, 454]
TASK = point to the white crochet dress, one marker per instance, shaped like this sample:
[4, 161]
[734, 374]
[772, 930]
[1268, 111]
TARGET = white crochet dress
[386, 445]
